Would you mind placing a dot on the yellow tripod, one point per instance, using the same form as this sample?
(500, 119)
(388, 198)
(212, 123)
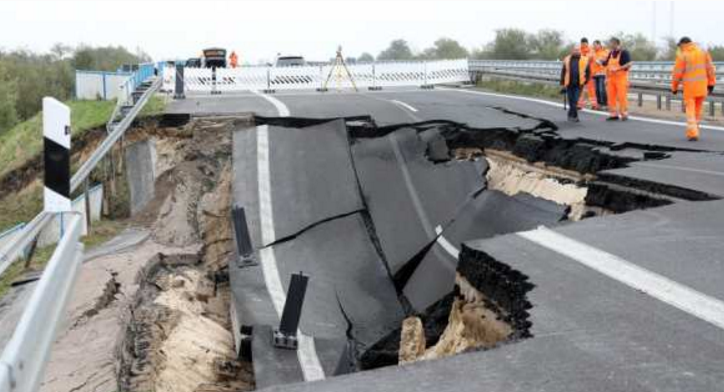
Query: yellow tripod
(337, 68)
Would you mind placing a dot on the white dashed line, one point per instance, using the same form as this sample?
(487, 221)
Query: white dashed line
(404, 105)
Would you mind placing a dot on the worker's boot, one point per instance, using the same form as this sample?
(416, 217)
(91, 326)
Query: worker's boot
(692, 135)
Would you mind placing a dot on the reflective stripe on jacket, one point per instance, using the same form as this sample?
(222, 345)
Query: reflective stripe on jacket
(694, 69)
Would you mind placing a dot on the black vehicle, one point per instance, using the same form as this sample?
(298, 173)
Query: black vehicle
(193, 62)
(214, 58)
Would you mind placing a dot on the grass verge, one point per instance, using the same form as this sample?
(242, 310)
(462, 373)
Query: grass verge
(538, 90)
(101, 231)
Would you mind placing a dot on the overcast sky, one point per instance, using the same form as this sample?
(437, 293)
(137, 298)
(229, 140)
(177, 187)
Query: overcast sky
(258, 30)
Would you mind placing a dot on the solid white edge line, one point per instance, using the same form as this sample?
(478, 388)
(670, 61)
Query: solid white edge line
(597, 113)
(672, 167)
(445, 244)
(282, 109)
(306, 352)
(698, 304)
(404, 105)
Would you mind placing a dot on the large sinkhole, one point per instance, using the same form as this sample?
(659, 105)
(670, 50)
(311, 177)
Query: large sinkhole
(378, 217)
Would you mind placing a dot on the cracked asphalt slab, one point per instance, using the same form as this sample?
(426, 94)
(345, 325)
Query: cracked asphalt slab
(592, 330)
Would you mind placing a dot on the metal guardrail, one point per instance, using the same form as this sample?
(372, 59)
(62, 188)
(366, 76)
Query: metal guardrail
(24, 358)
(642, 86)
(115, 133)
(652, 71)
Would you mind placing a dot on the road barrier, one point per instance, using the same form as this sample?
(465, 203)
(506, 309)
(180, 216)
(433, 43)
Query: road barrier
(311, 77)
(24, 358)
(648, 71)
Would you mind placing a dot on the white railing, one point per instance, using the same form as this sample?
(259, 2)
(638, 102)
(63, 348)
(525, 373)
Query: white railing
(385, 74)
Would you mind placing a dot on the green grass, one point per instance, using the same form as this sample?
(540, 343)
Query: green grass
(101, 232)
(25, 140)
(155, 106)
(538, 90)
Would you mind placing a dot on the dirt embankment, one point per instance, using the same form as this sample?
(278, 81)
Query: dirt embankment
(155, 316)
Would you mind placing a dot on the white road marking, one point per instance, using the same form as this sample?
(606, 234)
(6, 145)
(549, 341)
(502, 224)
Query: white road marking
(703, 306)
(279, 105)
(306, 352)
(416, 202)
(404, 105)
(594, 112)
(672, 167)
(445, 244)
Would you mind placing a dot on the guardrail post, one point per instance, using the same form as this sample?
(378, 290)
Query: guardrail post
(658, 101)
(641, 99)
(668, 102)
(86, 196)
(712, 108)
(179, 87)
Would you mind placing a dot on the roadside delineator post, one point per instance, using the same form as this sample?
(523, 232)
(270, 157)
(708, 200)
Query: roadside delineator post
(286, 336)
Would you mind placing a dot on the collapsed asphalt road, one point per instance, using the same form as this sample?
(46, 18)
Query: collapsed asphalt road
(375, 216)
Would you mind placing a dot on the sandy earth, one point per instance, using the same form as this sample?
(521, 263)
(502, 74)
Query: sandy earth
(471, 325)
(155, 315)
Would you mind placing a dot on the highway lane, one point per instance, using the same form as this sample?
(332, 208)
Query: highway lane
(593, 330)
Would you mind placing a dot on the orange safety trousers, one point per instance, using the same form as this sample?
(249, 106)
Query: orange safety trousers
(694, 106)
(591, 88)
(617, 90)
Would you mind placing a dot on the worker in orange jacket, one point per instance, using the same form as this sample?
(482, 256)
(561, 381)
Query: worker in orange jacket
(233, 59)
(617, 64)
(695, 70)
(598, 72)
(590, 87)
(575, 74)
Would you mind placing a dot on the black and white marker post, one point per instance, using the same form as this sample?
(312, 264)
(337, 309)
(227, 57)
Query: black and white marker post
(56, 154)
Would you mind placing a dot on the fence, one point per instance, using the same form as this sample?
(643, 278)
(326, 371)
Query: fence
(110, 85)
(370, 75)
(99, 84)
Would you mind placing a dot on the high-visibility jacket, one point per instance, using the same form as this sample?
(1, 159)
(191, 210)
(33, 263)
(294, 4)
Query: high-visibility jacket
(596, 68)
(233, 60)
(694, 69)
(583, 70)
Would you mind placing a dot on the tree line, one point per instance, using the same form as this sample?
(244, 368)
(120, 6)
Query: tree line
(26, 77)
(518, 44)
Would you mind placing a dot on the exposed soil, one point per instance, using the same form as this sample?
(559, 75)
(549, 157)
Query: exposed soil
(155, 316)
